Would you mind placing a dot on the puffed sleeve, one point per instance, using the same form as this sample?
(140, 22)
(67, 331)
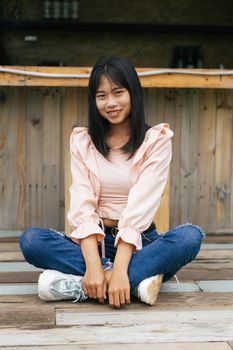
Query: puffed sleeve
(145, 195)
(82, 214)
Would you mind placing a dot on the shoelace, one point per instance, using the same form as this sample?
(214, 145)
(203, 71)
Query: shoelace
(103, 240)
(177, 281)
(69, 288)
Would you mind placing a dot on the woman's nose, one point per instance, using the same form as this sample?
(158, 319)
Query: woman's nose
(111, 102)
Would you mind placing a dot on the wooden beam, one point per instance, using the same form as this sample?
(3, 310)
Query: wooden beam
(152, 346)
(116, 27)
(162, 215)
(168, 80)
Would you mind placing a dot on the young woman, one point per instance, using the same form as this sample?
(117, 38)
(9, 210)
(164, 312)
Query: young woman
(119, 170)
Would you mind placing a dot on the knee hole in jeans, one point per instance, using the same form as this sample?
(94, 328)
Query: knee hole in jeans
(194, 236)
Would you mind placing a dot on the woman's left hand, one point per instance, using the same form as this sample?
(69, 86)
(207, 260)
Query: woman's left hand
(119, 289)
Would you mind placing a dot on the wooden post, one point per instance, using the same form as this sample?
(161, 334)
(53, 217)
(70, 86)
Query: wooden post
(162, 216)
(70, 113)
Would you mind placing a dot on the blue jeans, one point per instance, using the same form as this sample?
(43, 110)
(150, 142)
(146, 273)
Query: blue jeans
(161, 254)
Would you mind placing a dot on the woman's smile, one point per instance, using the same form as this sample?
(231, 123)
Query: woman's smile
(114, 113)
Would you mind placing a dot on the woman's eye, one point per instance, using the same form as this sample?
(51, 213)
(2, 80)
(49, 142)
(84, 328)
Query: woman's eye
(119, 92)
(100, 96)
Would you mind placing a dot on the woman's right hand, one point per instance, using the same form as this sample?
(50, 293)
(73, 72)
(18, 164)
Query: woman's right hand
(94, 283)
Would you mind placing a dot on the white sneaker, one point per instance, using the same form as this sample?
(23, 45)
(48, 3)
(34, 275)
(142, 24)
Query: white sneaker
(56, 285)
(148, 290)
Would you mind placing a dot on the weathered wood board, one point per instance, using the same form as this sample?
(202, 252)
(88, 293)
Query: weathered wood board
(159, 346)
(133, 327)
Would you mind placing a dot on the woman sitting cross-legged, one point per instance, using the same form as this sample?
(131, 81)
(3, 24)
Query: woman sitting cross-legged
(119, 169)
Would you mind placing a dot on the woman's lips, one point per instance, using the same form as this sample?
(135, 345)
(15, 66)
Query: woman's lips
(114, 113)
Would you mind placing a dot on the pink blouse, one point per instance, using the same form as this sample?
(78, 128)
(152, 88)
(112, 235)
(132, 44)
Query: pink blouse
(147, 174)
(114, 189)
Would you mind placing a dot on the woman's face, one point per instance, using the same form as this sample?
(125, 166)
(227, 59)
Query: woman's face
(113, 101)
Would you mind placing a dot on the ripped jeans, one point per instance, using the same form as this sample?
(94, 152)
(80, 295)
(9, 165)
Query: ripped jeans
(163, 254)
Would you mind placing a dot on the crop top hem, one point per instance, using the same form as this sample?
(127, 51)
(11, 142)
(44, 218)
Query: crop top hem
(105, 215)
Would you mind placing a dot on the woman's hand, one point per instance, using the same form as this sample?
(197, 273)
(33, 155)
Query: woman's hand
(119, 289)
(119, 286)
(94, 283)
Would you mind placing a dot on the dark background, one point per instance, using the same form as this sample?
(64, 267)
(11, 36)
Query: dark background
(145, 31)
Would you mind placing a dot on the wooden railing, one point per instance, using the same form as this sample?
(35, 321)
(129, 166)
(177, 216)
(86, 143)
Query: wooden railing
(167, 80)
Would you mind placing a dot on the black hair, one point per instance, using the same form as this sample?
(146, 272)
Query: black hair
(121, 71)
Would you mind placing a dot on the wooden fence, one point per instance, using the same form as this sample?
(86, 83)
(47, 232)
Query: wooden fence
(35, 125)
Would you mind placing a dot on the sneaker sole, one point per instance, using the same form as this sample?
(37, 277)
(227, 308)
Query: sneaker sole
(154, 288)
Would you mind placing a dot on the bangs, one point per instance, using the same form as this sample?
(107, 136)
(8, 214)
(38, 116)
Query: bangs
(112, 74)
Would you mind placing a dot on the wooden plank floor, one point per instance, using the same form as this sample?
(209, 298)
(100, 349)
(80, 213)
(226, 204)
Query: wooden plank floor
(196, 314)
